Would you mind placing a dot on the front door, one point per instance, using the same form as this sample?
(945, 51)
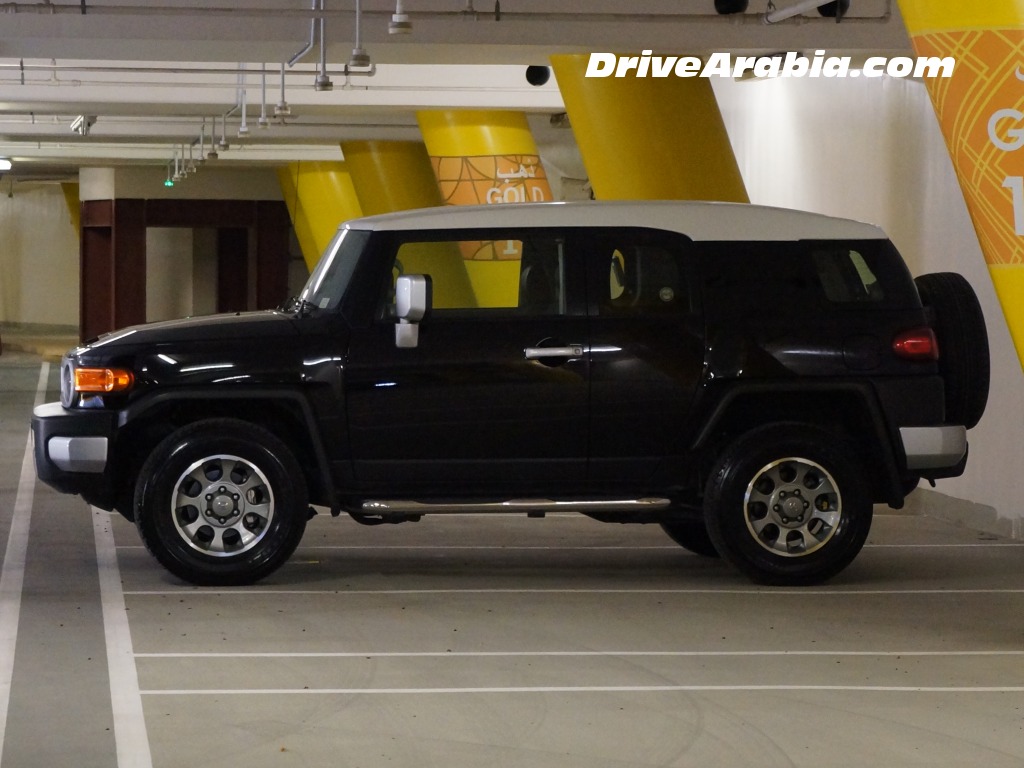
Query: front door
(494, 397)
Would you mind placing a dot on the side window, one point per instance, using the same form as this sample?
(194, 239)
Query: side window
(643, 278)
(513, 276)
(846, 277)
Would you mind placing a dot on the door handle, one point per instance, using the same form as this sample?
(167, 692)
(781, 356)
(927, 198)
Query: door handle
(570, 351)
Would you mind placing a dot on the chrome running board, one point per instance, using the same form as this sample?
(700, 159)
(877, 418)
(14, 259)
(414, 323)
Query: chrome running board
(526, 506)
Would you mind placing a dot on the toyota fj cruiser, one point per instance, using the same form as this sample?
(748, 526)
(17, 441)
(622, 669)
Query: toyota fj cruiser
(751, 379)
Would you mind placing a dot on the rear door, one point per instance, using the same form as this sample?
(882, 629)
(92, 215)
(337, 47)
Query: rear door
(494, 398)
(647, 355)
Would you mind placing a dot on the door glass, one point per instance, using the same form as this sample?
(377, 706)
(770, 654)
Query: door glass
(644, 279)
(519, 276)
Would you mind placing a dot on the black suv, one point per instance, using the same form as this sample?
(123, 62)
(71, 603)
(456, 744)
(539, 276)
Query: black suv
(751, 379)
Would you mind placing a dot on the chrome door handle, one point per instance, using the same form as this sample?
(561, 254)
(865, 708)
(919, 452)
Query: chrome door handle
(537, 353)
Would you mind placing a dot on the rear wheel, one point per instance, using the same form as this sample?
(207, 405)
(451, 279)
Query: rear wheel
(221, 502)
(786, 505)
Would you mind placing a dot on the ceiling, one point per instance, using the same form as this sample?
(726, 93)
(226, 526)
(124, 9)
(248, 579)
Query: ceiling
(152, 78)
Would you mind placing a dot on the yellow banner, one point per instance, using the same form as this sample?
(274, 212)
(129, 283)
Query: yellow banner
(925, 16)
(981, 111)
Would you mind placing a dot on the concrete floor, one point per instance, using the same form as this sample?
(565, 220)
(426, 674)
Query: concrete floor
(496, 641)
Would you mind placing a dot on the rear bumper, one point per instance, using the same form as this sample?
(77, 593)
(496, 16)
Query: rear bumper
(71, 449)
(931, 451)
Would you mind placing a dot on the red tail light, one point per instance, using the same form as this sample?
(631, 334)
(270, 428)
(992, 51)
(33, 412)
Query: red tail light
(917, 344)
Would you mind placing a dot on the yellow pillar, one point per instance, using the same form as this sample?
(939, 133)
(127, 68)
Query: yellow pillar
(649, 138)
(981, 110)
(70, 190)
(486, 157)
(391, 175)
(319, 196)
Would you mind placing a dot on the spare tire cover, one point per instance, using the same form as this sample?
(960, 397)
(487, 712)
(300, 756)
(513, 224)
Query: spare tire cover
(963, 344)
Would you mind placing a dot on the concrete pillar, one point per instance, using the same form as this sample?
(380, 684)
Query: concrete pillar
(391, 175)
(649, 138)
(319, 196)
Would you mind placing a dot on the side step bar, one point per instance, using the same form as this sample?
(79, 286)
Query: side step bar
(404, 507)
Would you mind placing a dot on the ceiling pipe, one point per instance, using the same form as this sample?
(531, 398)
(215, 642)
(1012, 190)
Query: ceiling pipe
(243, 126)
(309, 46)
(359, 59)
(323, 81)
(282, 110)
(538, 16)
(263, 122)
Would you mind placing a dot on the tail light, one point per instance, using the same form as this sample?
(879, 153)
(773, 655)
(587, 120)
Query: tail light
(916, 344)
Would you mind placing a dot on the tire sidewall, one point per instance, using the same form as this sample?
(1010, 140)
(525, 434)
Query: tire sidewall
(742, 462)
(165, 466)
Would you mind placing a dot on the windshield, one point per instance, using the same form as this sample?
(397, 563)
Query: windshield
(330, 279)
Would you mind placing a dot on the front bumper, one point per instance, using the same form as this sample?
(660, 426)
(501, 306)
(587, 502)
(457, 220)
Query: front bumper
(71, 451)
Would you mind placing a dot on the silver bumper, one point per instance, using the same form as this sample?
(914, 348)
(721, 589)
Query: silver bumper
(933, 447)
(78, 454)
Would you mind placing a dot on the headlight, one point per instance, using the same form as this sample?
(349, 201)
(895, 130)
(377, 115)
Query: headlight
(74, 381)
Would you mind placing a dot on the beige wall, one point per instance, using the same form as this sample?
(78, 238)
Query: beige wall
(872, 150)
(38, 256)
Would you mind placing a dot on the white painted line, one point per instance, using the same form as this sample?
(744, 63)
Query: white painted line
(764, 592)
(572, 654)
(487, 547)
(12, 575)
(583, 689)
(129, 721)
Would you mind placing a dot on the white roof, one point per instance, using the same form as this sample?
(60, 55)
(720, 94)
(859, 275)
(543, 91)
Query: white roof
(697, 220)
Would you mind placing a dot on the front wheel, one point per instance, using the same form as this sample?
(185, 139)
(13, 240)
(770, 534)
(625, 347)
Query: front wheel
(786, 504)
(221, 502)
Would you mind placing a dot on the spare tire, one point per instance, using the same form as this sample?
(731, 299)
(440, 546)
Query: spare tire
(960, 328)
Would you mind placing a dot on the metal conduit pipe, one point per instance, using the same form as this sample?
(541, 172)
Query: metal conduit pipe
(466, 12)
(312, 41)
(781, 14)
(323, 82)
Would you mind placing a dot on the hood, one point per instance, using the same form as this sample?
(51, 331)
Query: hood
(236, 325)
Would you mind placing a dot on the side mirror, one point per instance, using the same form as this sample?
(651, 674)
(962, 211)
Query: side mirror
(412, 302)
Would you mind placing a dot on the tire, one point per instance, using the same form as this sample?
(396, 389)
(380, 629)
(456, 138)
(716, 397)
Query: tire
(959, 326)
(786, 505)
(691, 535)
(221, 502)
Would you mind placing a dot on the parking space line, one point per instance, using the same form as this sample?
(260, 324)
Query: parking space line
(571, 654)
(776, 592)
(130, 734)
(583, 689)
(12, 575)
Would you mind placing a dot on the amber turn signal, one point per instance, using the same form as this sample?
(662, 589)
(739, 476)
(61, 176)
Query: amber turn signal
(102, 379)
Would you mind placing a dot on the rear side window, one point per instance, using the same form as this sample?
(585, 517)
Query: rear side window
(845, 276)
(792, 277)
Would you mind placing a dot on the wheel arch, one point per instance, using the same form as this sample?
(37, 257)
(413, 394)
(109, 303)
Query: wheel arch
(850, 409)
(285, 413)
